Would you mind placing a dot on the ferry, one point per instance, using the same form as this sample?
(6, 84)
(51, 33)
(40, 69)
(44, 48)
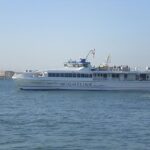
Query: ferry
(81, 75)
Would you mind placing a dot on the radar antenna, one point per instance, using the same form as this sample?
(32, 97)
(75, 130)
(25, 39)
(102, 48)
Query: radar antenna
(92, 51)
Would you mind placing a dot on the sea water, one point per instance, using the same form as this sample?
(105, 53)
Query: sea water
(73, 120)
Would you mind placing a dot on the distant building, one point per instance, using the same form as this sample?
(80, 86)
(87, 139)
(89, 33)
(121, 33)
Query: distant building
(2, 74)
(6, 74)
(9, 74)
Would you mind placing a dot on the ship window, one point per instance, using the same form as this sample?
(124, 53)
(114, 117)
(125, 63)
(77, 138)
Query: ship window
(69, 74)
(49, 75)
(82, 75)
(62, 74)
(74, 75)
(66, 74)
(125, 76)
(57, 74)
(142, 76)
(78, 75)
(86, 75)
(105, 75)
(85, 65)
(98, 74)
(115, 75)
(52, 75)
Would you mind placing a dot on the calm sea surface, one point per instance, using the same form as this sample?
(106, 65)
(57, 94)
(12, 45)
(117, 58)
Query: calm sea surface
(73, 120)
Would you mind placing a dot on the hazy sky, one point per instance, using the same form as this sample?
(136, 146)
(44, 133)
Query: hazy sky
(42, 34)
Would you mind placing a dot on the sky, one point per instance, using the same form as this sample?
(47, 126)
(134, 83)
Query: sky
(43, 34)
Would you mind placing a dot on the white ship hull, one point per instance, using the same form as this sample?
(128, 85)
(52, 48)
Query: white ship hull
(45, 84)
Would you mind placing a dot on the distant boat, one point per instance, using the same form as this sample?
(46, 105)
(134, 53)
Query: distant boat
(80, 75)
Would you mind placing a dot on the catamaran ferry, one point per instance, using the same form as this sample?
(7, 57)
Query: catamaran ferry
(80, 75)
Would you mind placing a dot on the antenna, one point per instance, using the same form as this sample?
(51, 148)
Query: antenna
(92, 51)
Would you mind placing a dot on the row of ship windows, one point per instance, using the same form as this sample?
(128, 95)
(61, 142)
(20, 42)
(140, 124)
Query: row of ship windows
(95, 75)
(83, 75)
(114, 75)
(70, 75)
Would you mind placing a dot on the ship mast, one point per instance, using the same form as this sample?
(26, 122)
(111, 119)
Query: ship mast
(108, 60)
